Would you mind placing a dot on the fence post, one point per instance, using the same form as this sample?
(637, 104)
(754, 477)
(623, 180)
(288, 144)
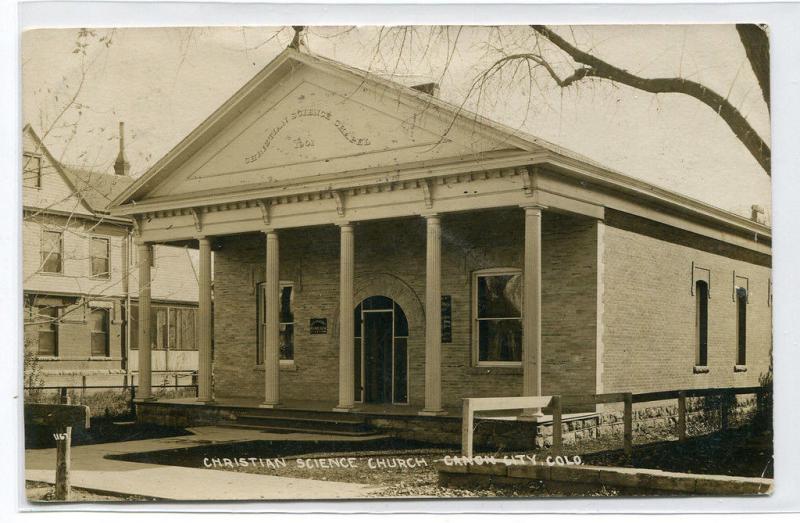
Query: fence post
(63, 488)
(628, 424)
(466, 429)
(176, 382)
(133, 397)
(555, 404)
(682, 415)
(63, 398)
(723, 415)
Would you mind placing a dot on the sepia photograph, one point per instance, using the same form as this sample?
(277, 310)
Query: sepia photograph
(396, 262)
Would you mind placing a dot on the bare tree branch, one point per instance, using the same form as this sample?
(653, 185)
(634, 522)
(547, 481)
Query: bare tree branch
(598, 68)
(756, 44)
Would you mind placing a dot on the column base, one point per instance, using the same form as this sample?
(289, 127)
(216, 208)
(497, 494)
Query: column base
(425, 412)
(344, 409)
(269, 406)
(205, 401)
(533, 415)
(148, 398)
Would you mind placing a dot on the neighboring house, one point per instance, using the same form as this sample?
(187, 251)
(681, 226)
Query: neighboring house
(379, 249)
(79, 294)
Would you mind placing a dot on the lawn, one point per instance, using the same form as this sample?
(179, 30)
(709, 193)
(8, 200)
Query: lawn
(736, 452)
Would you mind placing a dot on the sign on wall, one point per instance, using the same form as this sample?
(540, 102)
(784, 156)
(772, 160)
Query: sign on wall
(447, 318)
(318, 326)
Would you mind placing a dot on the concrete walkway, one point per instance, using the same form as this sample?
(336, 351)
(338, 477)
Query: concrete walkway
(92, 470)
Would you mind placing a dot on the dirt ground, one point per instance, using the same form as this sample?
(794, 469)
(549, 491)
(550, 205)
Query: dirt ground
(383, 469)
(43, 493)
(405, 469)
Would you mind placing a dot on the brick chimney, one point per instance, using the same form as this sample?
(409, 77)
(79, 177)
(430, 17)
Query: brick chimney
(122, 167)
(757, 214)
(299, 41)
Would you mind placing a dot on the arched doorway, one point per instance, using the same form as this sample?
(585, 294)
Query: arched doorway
(381, 351)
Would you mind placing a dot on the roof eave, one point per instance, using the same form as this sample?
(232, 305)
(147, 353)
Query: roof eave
(623, 183)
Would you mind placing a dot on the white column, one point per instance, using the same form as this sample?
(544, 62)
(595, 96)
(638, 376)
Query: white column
(532, 308)
(433, 317)
(346, 355)
(204, 371)
(145, 362)
(272, 290)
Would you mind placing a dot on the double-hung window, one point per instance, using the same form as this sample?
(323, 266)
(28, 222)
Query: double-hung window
(741, 326)
(47, 319)
(52, 251)
(701, 295)
(497, 316)
(100, 268)
(32, 170)
(286, 319)
(99, 321)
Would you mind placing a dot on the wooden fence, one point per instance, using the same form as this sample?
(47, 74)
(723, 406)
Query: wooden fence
(557, 404)
(129, 390)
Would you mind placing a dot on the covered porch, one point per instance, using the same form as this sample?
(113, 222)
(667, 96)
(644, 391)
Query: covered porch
(295, 328)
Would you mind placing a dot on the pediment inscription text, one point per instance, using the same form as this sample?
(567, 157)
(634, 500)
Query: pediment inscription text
(319, 114)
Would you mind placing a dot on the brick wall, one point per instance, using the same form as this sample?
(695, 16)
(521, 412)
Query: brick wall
(390, 256)
(649, 310)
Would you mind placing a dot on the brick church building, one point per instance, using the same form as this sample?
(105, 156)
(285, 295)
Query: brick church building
(377, 249)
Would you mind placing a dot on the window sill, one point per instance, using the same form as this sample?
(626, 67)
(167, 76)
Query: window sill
(285, 365)
(740, 368)
(700, 369)
(486, 370)
(47, 358)
(102, 358)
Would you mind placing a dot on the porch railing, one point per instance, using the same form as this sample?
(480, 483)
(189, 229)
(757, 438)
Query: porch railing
(557, 403)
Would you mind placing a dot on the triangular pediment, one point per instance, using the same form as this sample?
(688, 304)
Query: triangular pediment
(313, 120)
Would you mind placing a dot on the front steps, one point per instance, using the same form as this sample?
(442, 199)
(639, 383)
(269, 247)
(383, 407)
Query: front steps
(305, 422)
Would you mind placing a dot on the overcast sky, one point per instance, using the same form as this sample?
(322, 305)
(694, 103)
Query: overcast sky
(163, 82)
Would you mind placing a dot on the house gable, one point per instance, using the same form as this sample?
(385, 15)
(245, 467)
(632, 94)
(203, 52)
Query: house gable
(313, 120)
(55, 192)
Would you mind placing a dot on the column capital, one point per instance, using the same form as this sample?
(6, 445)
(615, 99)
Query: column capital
(535, 208)
(202, 237)
(344, 223)
(431, 215)
(269, 230)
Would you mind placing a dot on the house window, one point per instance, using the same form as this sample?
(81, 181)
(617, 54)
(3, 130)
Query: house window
(497, 316)
(100, 324)
(133, 325)
(32, 170)
(286, 319)
(52, 251)
(172, 327)
(47, 320)
(100, 267)
(741, 326)
(701, 295)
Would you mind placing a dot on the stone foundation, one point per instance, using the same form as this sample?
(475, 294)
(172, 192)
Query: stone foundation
(657, 420)
(650, 421)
